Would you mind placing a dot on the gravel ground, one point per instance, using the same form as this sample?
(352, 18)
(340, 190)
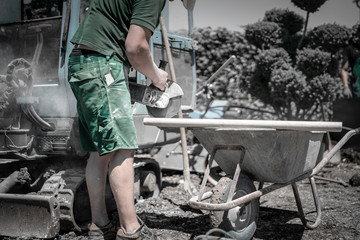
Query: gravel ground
(170, 216)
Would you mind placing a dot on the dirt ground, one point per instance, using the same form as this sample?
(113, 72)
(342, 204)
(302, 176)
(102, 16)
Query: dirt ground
(170, 216)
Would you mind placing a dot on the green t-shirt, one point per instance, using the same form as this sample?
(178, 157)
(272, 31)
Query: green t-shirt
(107, 23)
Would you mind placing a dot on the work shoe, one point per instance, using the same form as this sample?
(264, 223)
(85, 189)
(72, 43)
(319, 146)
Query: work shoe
(142, 233)
(108, 232)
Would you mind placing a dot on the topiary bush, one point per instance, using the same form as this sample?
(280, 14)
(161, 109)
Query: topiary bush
(309, 5)
(293, 92)
(289, 21)
(322, 89)
(293, 84)
(312, 62)
(355, 35)
(287, 91)
(263, 35)
(329, 37)
(272, 59)
(213, 48)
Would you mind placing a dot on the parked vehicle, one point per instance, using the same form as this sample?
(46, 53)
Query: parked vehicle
(43, 190)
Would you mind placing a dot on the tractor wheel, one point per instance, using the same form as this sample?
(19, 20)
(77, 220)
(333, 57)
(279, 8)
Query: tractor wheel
(239, 218)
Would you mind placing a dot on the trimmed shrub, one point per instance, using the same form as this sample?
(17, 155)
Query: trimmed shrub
(309, 5)
(263, 35)
(312, 62)
(329, 37)
(289, 21)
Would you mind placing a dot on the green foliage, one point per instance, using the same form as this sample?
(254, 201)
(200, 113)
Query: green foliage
(322, 89)
(214, 47)
(263, 34)
(294, 83)
(276, 82)
(312, 62)
(293, 91)
(289, 21)
(329, 37)
(355, 35)
(286, 86)
(268, 60)
(309, 5)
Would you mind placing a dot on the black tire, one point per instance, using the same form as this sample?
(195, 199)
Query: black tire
(231, 220)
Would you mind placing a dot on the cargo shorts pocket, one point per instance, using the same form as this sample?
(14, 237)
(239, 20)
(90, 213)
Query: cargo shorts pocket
(87, 87)
(107, 134)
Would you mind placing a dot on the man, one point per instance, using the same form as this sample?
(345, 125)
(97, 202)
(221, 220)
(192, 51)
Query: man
(351, 58)
(113, 36)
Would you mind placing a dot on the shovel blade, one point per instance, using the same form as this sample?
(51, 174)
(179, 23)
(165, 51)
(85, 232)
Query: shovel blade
(29, 216)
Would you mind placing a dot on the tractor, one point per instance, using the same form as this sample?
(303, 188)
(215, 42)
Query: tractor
(42, 177)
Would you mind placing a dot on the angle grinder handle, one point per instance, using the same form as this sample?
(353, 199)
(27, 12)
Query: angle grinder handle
(162, 65)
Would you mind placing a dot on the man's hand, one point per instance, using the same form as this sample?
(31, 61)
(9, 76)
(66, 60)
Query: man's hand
(347, 92)
(161, 79)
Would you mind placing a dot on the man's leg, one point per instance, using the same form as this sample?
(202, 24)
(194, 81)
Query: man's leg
(121, 176)
(96, 173)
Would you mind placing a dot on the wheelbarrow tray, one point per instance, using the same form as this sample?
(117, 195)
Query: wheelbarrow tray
(276, 156)
(275, 151)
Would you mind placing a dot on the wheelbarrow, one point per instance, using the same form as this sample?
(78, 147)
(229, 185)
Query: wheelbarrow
(280, 153)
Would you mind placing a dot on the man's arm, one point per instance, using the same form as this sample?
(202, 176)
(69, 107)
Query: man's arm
(139, 55)
(344, 77)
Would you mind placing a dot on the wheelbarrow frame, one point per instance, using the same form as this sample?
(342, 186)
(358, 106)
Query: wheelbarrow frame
(197, 202)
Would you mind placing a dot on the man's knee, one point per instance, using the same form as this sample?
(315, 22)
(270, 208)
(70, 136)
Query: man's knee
(121, 155)
(129, 153)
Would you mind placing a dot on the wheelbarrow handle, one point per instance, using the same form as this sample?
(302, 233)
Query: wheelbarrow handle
(334, 150)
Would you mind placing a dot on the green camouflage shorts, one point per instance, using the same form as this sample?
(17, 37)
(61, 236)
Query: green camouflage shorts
(101, 88)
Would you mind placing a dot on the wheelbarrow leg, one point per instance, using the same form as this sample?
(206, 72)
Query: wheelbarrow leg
(208, 167)
(316, 202)
(206, 176)
(236, 175)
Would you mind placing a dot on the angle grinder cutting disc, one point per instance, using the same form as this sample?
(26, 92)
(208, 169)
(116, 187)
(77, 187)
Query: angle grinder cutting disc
(165, 103)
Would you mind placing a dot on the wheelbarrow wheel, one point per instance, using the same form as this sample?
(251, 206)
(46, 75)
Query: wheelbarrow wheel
(239, 218)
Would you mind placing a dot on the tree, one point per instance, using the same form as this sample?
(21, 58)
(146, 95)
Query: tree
(269, 70)
(263, 34)
(310, 6)
(296, 83)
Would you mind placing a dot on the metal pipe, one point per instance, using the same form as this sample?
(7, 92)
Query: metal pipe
(230, 60)
(211, 79)
(226, 206)
(316, 202)
(241, 124)
(332, 152)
